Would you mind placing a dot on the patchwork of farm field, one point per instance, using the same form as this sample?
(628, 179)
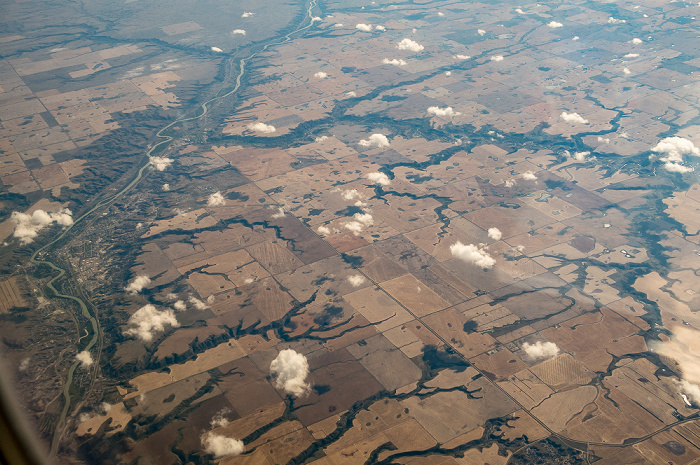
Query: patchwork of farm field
(372, 232)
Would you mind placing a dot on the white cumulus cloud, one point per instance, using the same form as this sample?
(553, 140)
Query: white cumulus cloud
(238, 32)
(323, 230)
(261, 127)
(554, 24)
(447, 111)
(394, 61)
(540, 350)
(529, 176)
(148, 320)
(495, 234)
(636, 41)
(290, 370)
(580, 156)
(632, 55)
(180, 306)
(375, 140)
(321, 75)
(462, 57)
(198, 304)
(473, 254)
(213, 49)
(672, 150)
(359, 223)
(138, 284)
(363, 27)
(27, 226)
(380, 28)
(166, 187)
(356, 280)
(247, 14)
(216, 200)
(84, 358)
(612, 20)
(481, 32)
(497, 58)
(160, 163)
(410, 45)
(221, 446)
(574, 118)
(379, 178)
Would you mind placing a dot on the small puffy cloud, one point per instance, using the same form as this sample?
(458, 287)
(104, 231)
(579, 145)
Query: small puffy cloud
(351, 93)
(691, 391)
(580, 156)
(575, 38)
(462, 57)
(198, 304)
(338, 25)
(316, 18)
(351, 194)
(360, 222)
(496, 58)
(448, 73)
(380, 28)
(321, 139)
(440, 13)
(166, 187)
(636, 41)
(148, 320)
(410, 45)
(27, 226)
(554, 24)
(612, 20)
(356, 280)
(520, 11)
(180, 306)
(529, 176)
(363, 27)
(84, 358)
(510, 183)
(481, 32)
(290, 370)
(672, 167)
(573, 118)
(473, 254)
(604, 140)
(323, 230)
(219, 420)
(216, 200)
(279, 214)
(675, 147)
(238, 32)
(375, 140)
(632, 55)
(495, 234)
(24, 364)
(447, 111)
(394, 61)
(379, 178)
(247, 14)
(217, 50)
(321, 75)
(221, 446)
(261, 127)
(160, 163)
(672, 150)
(626, 70)
(137, 285)
(540, 350)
